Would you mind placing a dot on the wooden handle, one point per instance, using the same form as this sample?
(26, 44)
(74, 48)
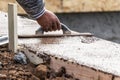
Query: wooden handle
(55, 36)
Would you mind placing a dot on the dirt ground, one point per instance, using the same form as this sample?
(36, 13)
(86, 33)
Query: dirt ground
(13, 71)
(10, 70)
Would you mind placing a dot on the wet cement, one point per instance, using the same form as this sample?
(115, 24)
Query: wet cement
(97, 53)
(90, 51)
(25, 25)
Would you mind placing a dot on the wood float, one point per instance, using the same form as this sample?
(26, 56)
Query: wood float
(55, 35)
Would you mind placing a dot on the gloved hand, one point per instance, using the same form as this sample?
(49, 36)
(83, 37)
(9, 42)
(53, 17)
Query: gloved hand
(49, 21)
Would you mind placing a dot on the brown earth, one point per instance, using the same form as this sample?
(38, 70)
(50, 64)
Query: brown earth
(9, 70)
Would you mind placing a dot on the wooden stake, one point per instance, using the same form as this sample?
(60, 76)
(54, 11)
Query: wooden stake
(12, 26)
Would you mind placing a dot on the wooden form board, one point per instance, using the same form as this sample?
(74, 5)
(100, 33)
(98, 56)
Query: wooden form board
(77, 71)
(12, 26)
(61, 6)
(117, 78)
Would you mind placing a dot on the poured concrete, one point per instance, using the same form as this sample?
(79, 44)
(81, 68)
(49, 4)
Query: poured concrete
(90, 51)
(25, 25)
(97, 53)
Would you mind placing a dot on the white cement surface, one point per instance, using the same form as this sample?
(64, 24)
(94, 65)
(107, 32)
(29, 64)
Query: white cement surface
(25, 25)
(101, 54)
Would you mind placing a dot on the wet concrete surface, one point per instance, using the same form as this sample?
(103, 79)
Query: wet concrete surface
(91, 51)
(25, 25)
(97, 53)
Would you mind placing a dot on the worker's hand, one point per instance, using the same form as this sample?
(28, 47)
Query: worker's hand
(49, 21)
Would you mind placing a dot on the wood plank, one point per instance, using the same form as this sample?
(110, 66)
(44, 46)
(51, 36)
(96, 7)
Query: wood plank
(75, 70)
(33, 58)
(12, 26)
(78, 71)
(104, 76)
(117, 78)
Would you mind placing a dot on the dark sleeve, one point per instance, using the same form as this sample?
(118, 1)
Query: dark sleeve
(34, 8)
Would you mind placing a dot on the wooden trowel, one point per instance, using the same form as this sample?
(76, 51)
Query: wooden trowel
(65, 31)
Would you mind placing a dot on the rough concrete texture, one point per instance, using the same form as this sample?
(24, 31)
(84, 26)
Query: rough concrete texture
(90, 51)
(105, 53)
(25, 25)
(103, 25)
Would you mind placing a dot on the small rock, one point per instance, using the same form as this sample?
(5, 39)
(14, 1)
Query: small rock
(1, 65)
(41, 71)
(13, 78)
(21, 72)
(20, 69)
(12, 72)
(3, 76)
(12, 67)
(17, 74)
(61, 72)
(27, 74)
(4, 63)
(20, 58)
(59, 78)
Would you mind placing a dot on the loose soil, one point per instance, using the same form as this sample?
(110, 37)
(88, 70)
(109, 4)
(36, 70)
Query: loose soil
(10, 70)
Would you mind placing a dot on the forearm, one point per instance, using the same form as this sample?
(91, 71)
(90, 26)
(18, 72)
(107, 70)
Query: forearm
(35, 8)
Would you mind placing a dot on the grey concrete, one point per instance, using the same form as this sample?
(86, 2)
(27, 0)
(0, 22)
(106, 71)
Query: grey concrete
(93, 52)
(104, 25)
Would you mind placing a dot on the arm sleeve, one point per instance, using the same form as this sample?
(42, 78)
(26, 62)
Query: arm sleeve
(34, 8)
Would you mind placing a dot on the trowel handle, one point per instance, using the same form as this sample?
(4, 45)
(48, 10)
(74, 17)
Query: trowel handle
(64, 28)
